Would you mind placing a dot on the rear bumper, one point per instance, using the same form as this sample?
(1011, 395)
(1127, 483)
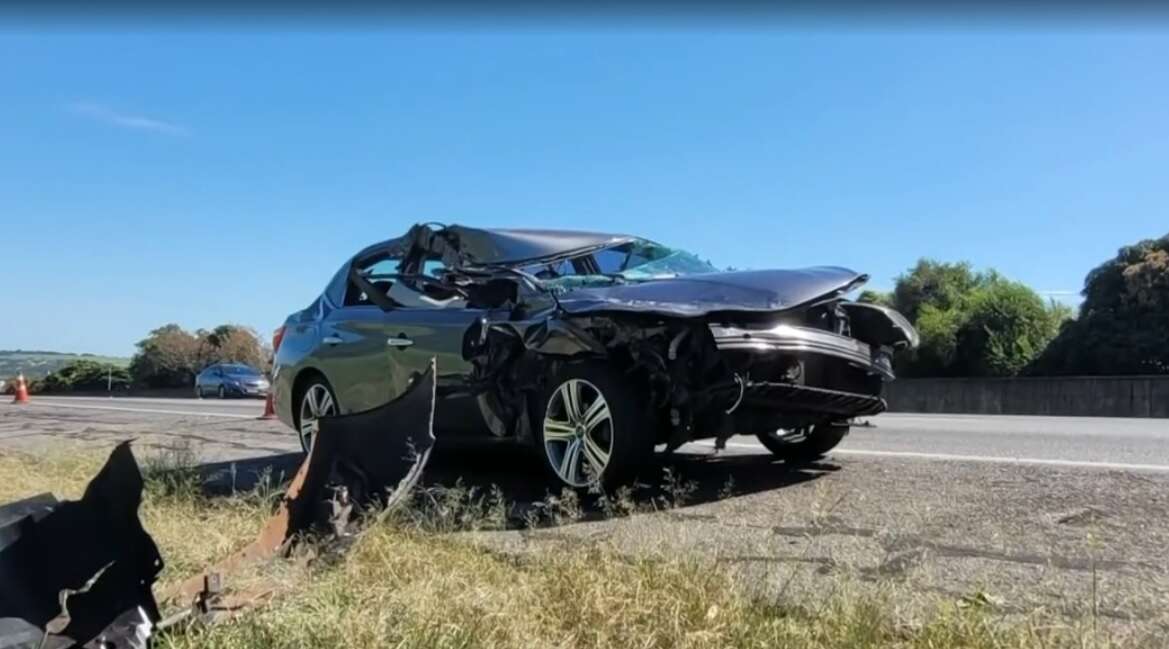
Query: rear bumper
(805, 340)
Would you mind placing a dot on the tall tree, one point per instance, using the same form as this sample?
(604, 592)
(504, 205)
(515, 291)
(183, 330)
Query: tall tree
(1123, 321)
(943, 285)
(168, 357)
(231, 343)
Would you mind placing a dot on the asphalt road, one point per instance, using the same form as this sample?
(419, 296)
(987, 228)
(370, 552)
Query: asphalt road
(1063, 515)
(1077, 442)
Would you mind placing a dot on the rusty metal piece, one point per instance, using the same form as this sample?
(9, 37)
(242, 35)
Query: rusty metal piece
(366, 459)
(77, 572)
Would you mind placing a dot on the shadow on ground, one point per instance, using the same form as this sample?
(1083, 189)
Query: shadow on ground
(682, 479)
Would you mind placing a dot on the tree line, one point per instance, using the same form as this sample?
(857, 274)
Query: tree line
(169, 357)
(982, 324)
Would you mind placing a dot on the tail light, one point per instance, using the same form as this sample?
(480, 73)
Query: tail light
(277, 336)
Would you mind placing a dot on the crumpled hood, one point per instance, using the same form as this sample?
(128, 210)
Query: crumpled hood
(700, 295)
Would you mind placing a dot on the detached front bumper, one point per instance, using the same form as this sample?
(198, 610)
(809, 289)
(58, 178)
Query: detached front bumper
(792, 339)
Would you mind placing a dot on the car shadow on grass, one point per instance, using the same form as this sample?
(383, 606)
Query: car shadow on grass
(670, 481)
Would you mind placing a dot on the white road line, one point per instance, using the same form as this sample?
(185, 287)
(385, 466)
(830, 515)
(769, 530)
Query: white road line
(991, 459)
(152, 410)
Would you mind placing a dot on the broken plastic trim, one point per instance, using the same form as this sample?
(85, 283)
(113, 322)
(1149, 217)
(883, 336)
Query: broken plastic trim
(360, 461)
(78, 571)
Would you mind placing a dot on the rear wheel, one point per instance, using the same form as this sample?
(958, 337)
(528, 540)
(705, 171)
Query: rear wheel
(316, 401)
(591, 428)
(802, 445)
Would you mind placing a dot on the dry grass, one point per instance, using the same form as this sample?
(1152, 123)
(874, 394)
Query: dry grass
(405, 588)
(413, 581)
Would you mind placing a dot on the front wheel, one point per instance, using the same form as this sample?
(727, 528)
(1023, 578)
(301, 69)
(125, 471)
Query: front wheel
(590, 427)
(803, 445)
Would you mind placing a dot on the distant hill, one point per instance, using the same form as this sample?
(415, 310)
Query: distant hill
(36, 364)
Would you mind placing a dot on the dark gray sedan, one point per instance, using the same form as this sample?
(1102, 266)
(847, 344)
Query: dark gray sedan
(589, 348)
(231, 380)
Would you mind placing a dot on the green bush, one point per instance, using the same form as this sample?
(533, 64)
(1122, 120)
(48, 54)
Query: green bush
(83, 375)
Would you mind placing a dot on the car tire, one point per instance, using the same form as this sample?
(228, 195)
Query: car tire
(804, 445)
(582, 441)
(314, 400)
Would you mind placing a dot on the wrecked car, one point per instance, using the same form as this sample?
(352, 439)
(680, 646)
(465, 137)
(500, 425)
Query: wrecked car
(590, 348)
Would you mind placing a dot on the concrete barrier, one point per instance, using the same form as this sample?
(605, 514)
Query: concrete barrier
(1073, 396)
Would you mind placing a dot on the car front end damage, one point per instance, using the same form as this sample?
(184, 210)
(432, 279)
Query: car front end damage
(702, 380)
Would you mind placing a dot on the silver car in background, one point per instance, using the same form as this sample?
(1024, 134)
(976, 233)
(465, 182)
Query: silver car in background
(231, 380)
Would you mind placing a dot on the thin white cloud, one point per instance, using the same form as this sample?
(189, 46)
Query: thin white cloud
(103, 113)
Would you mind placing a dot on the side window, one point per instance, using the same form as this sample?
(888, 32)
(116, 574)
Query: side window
(381, 274)
(420, 290)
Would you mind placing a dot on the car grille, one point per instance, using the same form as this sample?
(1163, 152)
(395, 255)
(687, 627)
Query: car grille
(796, 399)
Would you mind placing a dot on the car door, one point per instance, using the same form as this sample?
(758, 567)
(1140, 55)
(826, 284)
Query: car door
(215, 378)
(413, 336)
(370, 353)
(351, 347)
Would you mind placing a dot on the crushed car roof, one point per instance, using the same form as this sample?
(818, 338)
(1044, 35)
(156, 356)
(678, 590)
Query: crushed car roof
(494, 246)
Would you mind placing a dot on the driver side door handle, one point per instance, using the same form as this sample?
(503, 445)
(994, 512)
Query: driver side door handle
(400, 341)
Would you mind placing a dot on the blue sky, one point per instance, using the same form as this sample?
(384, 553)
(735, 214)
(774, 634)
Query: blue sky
(201, 177)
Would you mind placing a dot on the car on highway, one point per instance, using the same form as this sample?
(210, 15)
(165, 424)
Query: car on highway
(231, 380)
(591, 349)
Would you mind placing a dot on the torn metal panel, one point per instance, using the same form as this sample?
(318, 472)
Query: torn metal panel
(69, 571)
(368, 454)
(354, 463)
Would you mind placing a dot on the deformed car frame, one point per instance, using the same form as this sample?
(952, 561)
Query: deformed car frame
(591, 347)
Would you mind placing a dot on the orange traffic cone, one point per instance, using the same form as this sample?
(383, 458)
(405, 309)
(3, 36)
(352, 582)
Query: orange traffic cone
(269, 410)
(21, 390)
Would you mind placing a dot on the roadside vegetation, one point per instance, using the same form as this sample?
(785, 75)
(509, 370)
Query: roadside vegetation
(416, 580)
(979, 323)
(169, 357)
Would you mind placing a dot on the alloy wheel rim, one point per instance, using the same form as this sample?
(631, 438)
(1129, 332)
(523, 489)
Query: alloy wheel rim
(316, 403)
(791, 435)
(578, 433)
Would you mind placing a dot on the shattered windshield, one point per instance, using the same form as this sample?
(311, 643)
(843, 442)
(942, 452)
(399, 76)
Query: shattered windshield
(636, 260)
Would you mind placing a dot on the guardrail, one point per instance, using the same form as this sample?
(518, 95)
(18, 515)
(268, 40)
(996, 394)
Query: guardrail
(1073, 396)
